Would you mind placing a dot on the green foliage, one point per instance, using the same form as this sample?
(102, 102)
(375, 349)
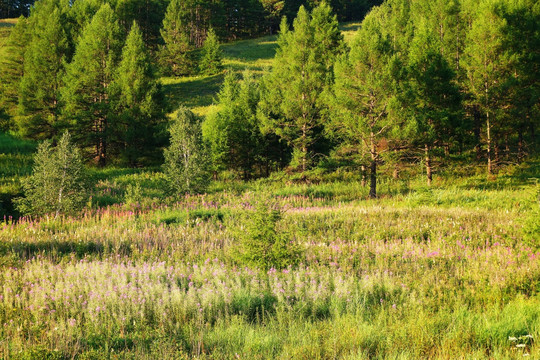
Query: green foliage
(11, 72)
(262, 244)
(137, 100)
(291, 97)
(58, 181)
(232, 131)
(364, 93)
(176, 56)
(48, 51)
(87, 88)
(186, 159)
(211, 62)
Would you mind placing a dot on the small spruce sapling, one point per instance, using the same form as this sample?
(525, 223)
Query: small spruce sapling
(262, 245)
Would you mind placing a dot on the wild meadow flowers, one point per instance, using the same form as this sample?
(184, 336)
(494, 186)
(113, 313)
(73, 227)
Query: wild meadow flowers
(376, 279)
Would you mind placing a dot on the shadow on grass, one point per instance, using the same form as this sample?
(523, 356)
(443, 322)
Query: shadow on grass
(191, 91)
(25, 250)
(251, 50)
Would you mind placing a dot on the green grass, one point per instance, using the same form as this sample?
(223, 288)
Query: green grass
(5, 28)
(255, 55)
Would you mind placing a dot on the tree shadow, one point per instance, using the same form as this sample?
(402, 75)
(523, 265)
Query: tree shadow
(191, 92)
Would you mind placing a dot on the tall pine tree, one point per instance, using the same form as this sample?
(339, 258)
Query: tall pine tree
(137, 97)
(44, 66)
(176, 55)
(291, 101)
(87, 84)
(364, 92)
(12, 71)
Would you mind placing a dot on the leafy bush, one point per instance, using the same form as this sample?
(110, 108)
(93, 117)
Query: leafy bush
(58, 181)
(261, 245)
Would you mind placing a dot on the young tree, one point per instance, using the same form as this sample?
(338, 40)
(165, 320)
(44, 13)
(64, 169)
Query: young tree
(177, 54)
(44, 66)
(58, 181)
(86, 93)
(211, 61)
(186, 159)
(363, 93)
(137, 96)
(291, 101)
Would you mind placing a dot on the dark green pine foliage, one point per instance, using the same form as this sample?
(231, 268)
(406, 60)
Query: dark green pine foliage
(58, 184)
(232, 132)
(364, 91)
(137, 98)
(291, 103)
(522, 36)
(435, 100)
(211, 60)
(12, 71)
(186, 160)
(47, 53)
(176, 55)
(86, 94)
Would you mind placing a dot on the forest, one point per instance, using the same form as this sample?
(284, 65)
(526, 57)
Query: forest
(264, 179)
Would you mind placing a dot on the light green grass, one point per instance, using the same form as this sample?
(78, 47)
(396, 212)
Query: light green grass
(256, 55)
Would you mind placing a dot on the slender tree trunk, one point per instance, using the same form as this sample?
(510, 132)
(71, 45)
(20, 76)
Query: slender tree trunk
(477, 132)
(373, 168)
(428, 165)
(395, 173)
(304, 148)
(488, 133)
(520, 145)
(364, 182)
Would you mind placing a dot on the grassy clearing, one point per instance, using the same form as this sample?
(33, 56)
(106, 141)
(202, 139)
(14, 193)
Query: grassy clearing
(387, 278)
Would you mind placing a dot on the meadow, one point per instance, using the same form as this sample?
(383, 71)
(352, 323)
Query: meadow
(450, 271)
(445, 272)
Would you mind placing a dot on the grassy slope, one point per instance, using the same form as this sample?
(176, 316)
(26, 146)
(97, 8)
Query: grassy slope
(198, 92)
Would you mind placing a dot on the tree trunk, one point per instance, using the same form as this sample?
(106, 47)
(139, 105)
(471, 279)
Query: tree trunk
(520, 145)
(488, 140)
(395, 174)
(364, 182)
(477, 131)
(373, 168)
(428, 165)
(304, 148)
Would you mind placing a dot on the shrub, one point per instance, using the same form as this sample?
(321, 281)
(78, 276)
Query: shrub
(58, 181)
(261, 245)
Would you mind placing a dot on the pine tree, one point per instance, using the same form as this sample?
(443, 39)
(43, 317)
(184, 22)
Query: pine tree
(488, 66)
(87, 90)
(176, 56)
(211, 61)
(58, 181)
(137, 99)
(12, 71)
(364, 92)
(44, 66)
(186, 159)
(291, 101)
(435, 99)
